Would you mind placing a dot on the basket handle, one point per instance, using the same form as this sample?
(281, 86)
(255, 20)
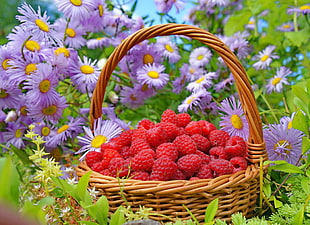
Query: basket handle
(256, 146)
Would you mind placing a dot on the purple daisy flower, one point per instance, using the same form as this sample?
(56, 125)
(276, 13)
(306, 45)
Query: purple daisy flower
(265, 57)
(200, 56)
(145, 90)
(286, 27)
(67, 131)
(104, 131)
(232, 118)
(164, 6)
(14, 134)
(169, 49)
(76, 9)
(41, 85)
(224, 84)
(51, 112)
(9, 95)
(251, 24)
(70, 32)
(85, 74)
(130, 98)
(304, 9)
(200, 84)
(98, 42)
(45, 130)
(192, 101)
(153, 75)
(191, 72)
(37, 24)
(283, 143)
(6, 55)
(288, 120)
(276, 83)
(179, 83)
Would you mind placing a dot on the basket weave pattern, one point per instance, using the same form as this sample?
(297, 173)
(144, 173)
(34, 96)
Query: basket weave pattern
(237, 192)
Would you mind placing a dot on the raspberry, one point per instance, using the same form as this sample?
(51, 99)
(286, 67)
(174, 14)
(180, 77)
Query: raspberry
(239, 163)
(146, 124)
(189, 164)
(181, 131)
(204, 157)
(218, 137)
(170, 129)
(125, 138)
(137, 145)
(193, 128)
(98, 166)
(205, 172)
(140, 175)
(203, 144)
(236, 146)
(163, 169)
(93, 157)
(143, 161)
(110, 153)
(118, 167)
(106, 172)
(112, 144)
(156, 136)
(206, 127)
(221, 167)
(194, 178)
(139, 134)
(185, 145)
(169, 116)
(168, 150)
(125, 153)
(183, 119)
(178, 175)
(218, 153)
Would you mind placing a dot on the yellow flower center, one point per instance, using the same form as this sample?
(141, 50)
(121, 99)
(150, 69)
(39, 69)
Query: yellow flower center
(147, 58)
(70, 32)
(42, 25)
(200, 57)
(30, 68)
(45, 131)
(18, 133)
(23, 110)
(251, 22)
(64, 51)
(200, 80)
(236, 121)
(50, 110)
(32, 45)
(264, 58)
(169, 48)
(87, 69)
(192, 70)
(5, 64)
(76, 2)
(275, 81)
(305, 7)
(145, 87)
(290, 125)
(286, 26)
(63, 128)
(98, 141)
(153, 74)
(285, 144)
(189, 101)
(101, 10)
(45, 86)
(3, 93)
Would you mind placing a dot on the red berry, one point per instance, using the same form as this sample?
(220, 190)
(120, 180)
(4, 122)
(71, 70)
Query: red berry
(163, 169)
(106, 172)
(139, 134)
(168, 150)
(181, 131)
(143, 161)
(140, 175)
(218, 137)
(183, 119)
(185, 145)
(221, 167)
(110, 153)
(113, 144)
(137, 145)
(169, 116)
(239, 163)
(93, 157)
(170, 129)
(178, 175)
(118, 167)
(125, 138)
(194, 178)
(205, 172)
(189, 164)
(218, 152)
(204, 157)
(125, 153)
(156, 136)
(98, 167)
(203, 144)
(206, 127)
(193, 128)
(236, 146)
(146, 124)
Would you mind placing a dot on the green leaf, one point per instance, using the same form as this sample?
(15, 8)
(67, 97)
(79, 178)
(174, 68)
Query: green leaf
(22, 155)
(33, 211)
(48, 200)
(65, 186)
(299, 217)
(298, 38)
(81, 193)
(305, 184)
(87, 223)
(305, 147)
(301, 93)
(237, 22)
(118, 218)
(211, 211)
(267, 189)
(102, 210)
(277, 203)
(300, 122)
(285, 167)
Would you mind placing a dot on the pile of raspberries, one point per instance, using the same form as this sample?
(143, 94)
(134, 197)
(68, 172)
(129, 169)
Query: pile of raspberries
(176, 148)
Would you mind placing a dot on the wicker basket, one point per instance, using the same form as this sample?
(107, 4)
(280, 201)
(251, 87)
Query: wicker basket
(236, 193)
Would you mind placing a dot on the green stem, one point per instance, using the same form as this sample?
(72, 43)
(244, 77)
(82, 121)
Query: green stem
(270, 108)
(295, 17)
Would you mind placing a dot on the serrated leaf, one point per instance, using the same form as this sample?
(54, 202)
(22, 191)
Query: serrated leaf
(211, 211)
(300, 122)
(118, 218)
